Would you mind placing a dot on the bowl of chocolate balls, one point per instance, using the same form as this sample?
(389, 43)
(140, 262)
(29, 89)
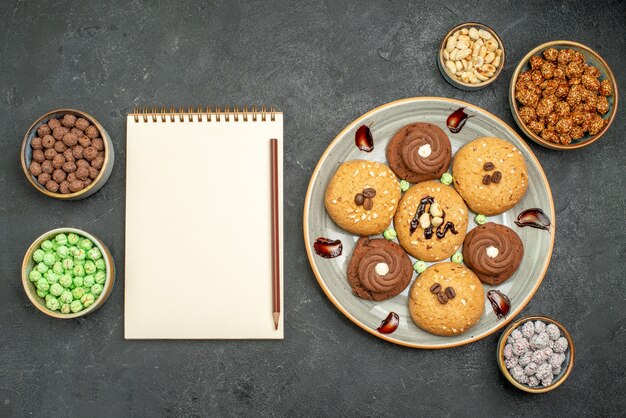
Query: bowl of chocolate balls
(66, 154)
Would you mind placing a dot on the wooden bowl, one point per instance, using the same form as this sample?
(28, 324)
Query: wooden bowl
(96, 184)
(566, 367)
(591, 58)
(450, 78)
(29, 287)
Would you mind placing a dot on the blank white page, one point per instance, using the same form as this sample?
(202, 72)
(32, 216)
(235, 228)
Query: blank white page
(198, 228)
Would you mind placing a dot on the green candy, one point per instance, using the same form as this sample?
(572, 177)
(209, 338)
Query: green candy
(85, 244)
(52, 277)
(88, 281)
(65, 308)
(61, 239)
(65, 280)
(94, 254)
(78, 281)
(42, 284)
(63, 251)
(55, 245)
(404, 185)
(80, 254)
(66, 297)
(90, 267)
(72, 238)
(34, 275)
(58, 268)
(480, 219)
(87, 300)
(68, 264)
(79, 271)
(53, 304)
(78, 262)
(56, 289)
(446, 178)
(42, 293)
(78, 293)
(96, 289)
(100, 264)
(49, 260)
(41, 268)
(419, 266)
(100, 277)
(73, 250)
(47, 246)
(76, 306)
(457, 258)
(390, 234)
(38, 255)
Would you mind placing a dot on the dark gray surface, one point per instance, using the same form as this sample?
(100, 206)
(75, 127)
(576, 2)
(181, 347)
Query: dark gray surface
(324, 64)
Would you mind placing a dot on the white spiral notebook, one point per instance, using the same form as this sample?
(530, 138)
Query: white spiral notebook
(198, 224)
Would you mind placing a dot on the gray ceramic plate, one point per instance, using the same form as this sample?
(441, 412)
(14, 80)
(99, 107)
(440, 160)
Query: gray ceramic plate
(384, 121)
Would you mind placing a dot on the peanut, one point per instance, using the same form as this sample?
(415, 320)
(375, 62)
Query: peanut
(472, 55)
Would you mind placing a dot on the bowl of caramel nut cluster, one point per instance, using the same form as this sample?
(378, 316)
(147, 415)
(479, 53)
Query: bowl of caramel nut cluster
(66, 154)
(563, 95)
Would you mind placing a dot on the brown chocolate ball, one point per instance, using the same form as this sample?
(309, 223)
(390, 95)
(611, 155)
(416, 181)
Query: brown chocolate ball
(98, 162)
(68, 121)
(93, 173)
(64, 187)
(48, 141)
(58, 175)
(50, 153)
(44, 130)
(35, 143)
(82, 173)
(38, 156)
(46, 167)
(69, 167)
(98, 144)
(77, 151)
(54, 123)
(84, 141)
(77, 132)
(82, 124)
(71, 177)
(43, 178)
(59, 132)
(70, 139)
(92, 132)
(59, 146)
(90, 153)
(58, 161)
(52, 186)
(83, 163)
(76, 186)
(67, 154)
(35, 168)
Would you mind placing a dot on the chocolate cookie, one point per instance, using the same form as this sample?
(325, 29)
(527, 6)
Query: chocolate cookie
(446, 299)
(431, 221)
(493, 252)
(419, 152)
(490, 174)
(379, 269)
(362, 197)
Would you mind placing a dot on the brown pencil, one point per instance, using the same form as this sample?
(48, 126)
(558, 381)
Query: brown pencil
(275, 234)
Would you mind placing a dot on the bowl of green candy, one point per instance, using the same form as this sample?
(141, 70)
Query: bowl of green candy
(68, 273)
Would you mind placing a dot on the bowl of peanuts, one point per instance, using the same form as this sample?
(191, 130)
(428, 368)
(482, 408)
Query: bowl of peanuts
(66, 154)
(563, 95)
(471, 56)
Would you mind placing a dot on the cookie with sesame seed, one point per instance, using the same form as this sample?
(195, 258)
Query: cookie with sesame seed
(431, 221)
(446, 299)
(362, 197)
(490, 174)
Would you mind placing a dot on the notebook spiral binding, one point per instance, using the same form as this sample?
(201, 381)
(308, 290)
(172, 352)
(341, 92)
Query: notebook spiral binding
(201, 114)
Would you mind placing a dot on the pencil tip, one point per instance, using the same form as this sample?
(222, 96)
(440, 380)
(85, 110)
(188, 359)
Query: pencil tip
(276, 318)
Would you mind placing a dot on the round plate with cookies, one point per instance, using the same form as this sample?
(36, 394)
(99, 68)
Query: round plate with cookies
(429, 222)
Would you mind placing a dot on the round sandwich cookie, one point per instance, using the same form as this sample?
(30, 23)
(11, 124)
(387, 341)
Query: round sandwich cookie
(431, 221)
(493, 252)
(419, 152)
(362, 197)
(490, 174)
(446, 299)
(379, 269)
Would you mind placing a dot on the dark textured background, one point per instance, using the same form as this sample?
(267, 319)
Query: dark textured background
(323, 64)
